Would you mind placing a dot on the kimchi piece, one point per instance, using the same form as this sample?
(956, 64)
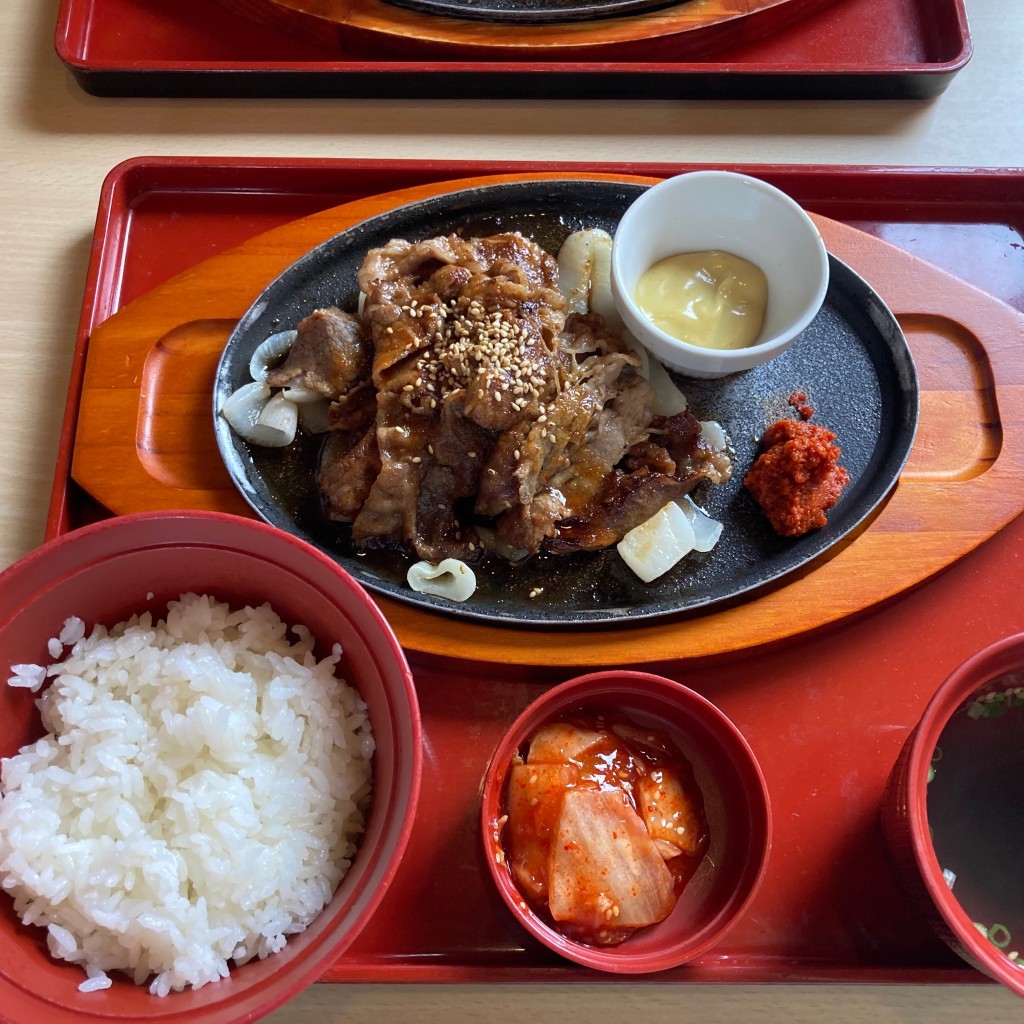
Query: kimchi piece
(605, 826)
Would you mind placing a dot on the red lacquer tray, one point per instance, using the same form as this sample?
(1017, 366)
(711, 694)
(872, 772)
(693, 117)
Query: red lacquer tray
(826, 714)
(859, 49)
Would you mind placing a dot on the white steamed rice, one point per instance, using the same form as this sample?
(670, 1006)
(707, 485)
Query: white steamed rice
(198, 797)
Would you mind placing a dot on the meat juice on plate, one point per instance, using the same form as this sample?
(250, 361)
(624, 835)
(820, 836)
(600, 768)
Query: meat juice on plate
(604, 826)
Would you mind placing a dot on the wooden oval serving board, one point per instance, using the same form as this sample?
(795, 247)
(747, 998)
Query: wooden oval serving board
(145, 440)
(692, 28)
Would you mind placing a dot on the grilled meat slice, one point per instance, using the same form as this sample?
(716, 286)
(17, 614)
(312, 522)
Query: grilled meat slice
(660, 469)
(330, 353)
(347, 473)
(481, 315)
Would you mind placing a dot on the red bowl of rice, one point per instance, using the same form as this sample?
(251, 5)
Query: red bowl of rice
(579, 855)
(301, 773)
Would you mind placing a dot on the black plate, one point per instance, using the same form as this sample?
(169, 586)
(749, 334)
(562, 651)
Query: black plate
(533, 12)
(852, 361)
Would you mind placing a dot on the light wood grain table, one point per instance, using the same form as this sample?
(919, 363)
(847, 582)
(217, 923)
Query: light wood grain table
(57, 144)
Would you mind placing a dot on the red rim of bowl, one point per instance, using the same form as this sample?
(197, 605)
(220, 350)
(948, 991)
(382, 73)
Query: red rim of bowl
(967, 679)
(604, 688)
(371, 889)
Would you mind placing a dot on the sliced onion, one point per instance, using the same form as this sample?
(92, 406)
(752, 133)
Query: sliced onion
(670, 400)
(450, 578)
(706, 530)
(270, 353)
(601, 299)
(277, 424)
(361, 303)
(314, 416)
(714, 435)
(585, 275)
(574, 266)
(300, 395)
(653, 547)
(243, 407)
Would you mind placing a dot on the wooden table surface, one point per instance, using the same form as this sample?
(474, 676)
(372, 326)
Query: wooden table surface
(57, 144)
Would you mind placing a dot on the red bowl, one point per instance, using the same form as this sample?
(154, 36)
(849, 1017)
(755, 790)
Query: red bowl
(735, 803)
(104, 573)
(969, 819)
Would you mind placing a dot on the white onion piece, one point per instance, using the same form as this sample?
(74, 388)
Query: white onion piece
(574, 270)
(270, 352)
(277, 424)
(669, 399)
(300, 395)
(601, 299)
(360, 303)
(243, 407)
(653, 547)
(313, 416)
(706, 530)
(714, 435)
(450, 578)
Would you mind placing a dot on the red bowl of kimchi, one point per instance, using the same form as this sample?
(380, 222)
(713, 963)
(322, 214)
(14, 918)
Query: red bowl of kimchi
(625, 822)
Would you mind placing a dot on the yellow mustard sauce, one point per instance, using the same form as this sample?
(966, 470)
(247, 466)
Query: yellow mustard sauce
(712, 299)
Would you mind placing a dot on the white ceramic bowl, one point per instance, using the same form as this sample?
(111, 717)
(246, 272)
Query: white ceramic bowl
(705, 210)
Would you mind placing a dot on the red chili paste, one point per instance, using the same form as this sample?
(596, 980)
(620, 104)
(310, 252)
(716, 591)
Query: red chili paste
(799, 402)
(796, 478)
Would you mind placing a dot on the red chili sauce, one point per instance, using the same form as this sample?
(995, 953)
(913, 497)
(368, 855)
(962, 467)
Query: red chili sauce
(796, 478)
(605, 826)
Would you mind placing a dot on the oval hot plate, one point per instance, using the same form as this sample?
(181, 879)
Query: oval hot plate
(852, 362)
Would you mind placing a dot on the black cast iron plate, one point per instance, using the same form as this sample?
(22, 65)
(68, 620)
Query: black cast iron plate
(852, 361)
